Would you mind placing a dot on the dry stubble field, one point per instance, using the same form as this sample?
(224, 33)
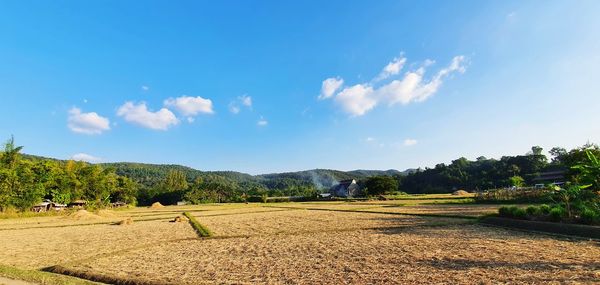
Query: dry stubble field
(289, 243)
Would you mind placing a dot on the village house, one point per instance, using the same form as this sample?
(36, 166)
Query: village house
(77, 204)
(47, 205)
(346, 188)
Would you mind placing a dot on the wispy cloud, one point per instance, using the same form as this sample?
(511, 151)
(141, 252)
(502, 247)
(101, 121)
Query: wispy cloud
(145, 88)
(262, 122)
(391, 68)
(140, 115)
(85, 157)
(329, 86)
(359, 99)
(190, 106)
(410, 142)
(236, 105)
(87, 123)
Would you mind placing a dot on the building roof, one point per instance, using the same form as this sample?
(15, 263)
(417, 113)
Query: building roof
(347, 182)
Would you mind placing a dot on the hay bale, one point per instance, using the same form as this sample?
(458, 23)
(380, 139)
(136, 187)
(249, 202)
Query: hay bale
(460, 193)
(156, 205)
(83, 215)
(180, 219)
(127, 221)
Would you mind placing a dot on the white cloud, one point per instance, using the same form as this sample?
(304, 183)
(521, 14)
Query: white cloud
(329, 86)
(391, 68)
(244, 100)
(357, 99)
(262, 122)
(190, 119)
(145, 88)
(412, 87)
(87, 123)
(140, 115)
(190, 106)
(85, 157)
(370, 139)
(410, 142)
(233, 108)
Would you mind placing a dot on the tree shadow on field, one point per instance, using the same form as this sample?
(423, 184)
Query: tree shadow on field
(546, 267)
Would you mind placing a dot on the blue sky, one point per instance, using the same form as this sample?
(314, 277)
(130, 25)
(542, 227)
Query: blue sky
(279, 86)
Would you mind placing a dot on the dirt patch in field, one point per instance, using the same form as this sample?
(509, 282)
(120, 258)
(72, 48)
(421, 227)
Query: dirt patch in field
(43, 247)
(452, 254)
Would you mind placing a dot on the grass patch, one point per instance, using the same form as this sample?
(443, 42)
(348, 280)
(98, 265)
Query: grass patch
(41, 277)
(451, 201)
(105, 279)
(202, 230)
(384, 213)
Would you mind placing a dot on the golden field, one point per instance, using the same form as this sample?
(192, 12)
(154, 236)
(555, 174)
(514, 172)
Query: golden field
(381, 242)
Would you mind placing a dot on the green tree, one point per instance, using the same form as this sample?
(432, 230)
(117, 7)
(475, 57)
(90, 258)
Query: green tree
(10, 156)
(378, 185)
(175, 181)
(516, 181)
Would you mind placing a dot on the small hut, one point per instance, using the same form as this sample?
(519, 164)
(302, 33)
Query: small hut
(118, 204)
(346, 188)
(41, 207)
(77, 204)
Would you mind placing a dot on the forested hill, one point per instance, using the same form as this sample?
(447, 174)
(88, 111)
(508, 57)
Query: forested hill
(152, 174)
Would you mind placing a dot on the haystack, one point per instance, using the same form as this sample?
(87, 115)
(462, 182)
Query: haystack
(180, 219)
(156, 205)
(83, 215)
(460, 193)
(127, 221)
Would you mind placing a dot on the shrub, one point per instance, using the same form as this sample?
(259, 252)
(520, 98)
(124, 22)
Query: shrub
(505, 211)
(533, 211)
(519, 213)
(545, 209)
(512, 212)
(589, 216)
(557, 213)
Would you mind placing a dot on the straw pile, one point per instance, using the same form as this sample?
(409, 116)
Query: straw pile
(83, 215)
(180, 219)
(156, 205)
(127, 221)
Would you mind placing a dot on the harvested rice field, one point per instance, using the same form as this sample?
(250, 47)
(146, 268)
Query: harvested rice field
(297, 243)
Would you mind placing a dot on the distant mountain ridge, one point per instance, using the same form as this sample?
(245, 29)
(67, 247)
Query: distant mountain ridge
(150, 174)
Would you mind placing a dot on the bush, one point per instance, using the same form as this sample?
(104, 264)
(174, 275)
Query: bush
(519, 213)
(557, 214)
(512, 212)
(533, 211)
(589, 216)
(505, 212)
(545, 209)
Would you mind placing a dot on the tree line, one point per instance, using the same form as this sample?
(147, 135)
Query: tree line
(484, 174)
(26, 182)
